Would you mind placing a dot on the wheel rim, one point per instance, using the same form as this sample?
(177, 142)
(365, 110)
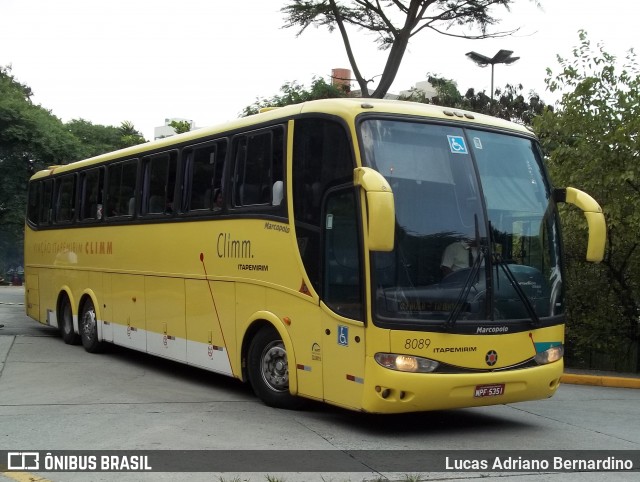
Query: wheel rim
(274, 366)
(89, 324)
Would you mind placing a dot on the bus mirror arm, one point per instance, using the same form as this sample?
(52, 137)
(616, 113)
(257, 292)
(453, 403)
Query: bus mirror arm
(595, 219)
(381, 216)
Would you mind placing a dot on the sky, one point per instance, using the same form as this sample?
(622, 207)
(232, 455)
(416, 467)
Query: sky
(108, 61)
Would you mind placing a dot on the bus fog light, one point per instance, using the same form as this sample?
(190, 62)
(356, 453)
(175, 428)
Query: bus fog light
(551, 355)
(406, 363)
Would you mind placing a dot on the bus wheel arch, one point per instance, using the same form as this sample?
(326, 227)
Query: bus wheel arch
(64, 315)
(88, 317)
(269, 364)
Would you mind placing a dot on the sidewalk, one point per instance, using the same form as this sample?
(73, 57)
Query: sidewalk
(601, 378)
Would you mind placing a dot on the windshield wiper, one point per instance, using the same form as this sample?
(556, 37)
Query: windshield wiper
(499, 261)
(472, 278)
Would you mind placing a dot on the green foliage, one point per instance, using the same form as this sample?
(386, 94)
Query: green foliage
(93, 139)
(96, 139)
(129, 136)
(180, 126)
(593, 144)
(294, 93)
(393, 23)
(447, 93)
(511, 103)
(32, 138)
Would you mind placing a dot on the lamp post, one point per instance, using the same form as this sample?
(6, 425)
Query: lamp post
(502, 57)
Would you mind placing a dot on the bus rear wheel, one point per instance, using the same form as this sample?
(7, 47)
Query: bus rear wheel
(268, 370)
(65, 323)
(89, 328)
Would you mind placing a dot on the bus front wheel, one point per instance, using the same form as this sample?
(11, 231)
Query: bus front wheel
(89, 328)
(268, 370)
(65, 322)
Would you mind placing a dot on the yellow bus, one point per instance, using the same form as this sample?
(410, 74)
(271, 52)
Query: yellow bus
(381, 256)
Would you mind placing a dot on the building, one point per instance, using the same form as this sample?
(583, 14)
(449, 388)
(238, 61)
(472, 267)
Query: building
(166, 130)
(341, 78)
(423, 87)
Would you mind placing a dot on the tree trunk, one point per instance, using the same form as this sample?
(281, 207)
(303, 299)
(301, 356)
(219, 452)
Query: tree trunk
(393, 64)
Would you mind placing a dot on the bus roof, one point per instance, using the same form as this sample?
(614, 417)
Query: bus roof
(347, 108)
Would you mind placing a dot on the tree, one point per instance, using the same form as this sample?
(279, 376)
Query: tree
(593, 144)
(294, 93)
(180, 126)
(30, 138)
(129, 135)
(511, 103)
(96, 139)
(394, 22)
(447, 93)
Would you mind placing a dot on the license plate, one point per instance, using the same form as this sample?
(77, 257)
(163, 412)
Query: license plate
(489, 390)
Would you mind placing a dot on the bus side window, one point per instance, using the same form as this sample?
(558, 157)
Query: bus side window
(259, 159)
(34, 201)
(46, 205)
(66, 199)
(121, 188)
(203, 176)
(342, 284)
(91, 185)
(39, 203)
(218, 178)
(159, 183)
(321, 159)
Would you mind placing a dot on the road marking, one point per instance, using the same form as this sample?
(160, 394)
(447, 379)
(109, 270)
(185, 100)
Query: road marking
(24, 477)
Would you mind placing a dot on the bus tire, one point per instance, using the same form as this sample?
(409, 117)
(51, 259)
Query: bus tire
(268, 370)
(65, 322)
(89, 328)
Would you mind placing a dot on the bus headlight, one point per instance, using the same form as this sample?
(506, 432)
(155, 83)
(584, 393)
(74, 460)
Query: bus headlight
(405, 363)
(551, 355)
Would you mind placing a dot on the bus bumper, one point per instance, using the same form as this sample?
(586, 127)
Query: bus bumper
(390, 391)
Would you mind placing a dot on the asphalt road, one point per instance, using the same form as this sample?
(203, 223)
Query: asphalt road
(59, 397)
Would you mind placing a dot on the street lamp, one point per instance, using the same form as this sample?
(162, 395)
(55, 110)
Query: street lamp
(502, 57)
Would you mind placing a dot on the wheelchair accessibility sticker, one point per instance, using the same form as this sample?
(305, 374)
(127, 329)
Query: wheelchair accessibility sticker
(457, 145)
(343, 335)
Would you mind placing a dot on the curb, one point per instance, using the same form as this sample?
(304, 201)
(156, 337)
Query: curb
(600, 381)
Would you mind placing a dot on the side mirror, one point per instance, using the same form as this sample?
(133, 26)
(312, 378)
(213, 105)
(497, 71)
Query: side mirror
(595, 219)
(381, 213)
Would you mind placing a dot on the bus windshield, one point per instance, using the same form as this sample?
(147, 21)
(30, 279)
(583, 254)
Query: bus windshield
(476, 228)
